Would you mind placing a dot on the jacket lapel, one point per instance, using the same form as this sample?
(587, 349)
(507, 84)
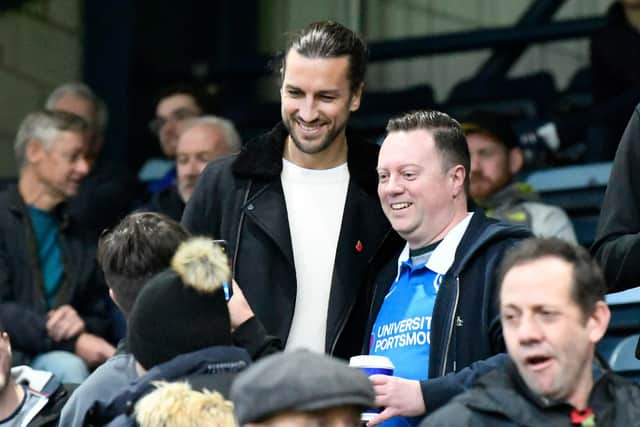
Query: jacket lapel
(267, 209)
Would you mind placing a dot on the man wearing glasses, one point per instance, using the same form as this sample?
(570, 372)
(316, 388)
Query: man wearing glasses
(174, 104)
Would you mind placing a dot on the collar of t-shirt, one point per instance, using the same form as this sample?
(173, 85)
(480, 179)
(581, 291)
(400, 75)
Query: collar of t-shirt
(443, 256)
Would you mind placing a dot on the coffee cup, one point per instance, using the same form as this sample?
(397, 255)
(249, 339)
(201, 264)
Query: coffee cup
(372, 365)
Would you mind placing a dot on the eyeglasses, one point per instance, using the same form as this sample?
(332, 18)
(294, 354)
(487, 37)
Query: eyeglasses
(178, 115)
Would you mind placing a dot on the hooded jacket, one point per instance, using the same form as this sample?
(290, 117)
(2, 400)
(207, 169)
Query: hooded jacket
(213, 368)
(518, 203)
(465, 324)
(502, 399)
(240, 199)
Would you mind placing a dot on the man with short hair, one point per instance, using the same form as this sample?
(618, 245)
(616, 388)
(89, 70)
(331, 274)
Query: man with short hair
(496, 158)
(303, 191)
(553, 315)
(27, 396)
(433, 308)
(174, 104)
(201, 140)
(52, 295)
(299, 389)
(79, 99)
(179, 329)
(106, 194)
(139, 247)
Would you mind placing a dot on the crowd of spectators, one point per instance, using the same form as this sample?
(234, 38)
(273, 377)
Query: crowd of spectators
(245, 274)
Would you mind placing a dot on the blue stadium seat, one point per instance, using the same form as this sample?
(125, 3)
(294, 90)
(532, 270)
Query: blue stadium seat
(623, 360)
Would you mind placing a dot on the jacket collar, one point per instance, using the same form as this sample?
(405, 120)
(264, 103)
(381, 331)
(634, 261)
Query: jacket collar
(261, 158)
(444, 254)
(18, 206)
(481, 232)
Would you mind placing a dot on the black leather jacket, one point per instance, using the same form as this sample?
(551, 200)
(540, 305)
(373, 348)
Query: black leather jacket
(240, 199)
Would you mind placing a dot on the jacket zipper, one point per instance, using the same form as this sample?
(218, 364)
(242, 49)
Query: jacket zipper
(451, 324)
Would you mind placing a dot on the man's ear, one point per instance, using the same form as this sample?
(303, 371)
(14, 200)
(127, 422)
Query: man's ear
(356, 97)
(34, 151)
(598, 321)
(516, 160)
(458, 175)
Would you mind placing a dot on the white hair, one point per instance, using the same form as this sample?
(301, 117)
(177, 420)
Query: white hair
(231, 136)
(83, 91)
(44, 126)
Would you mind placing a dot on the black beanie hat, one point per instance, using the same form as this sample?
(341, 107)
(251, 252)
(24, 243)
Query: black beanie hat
(182, 309)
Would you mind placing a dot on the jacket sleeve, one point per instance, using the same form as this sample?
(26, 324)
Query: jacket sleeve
(453, 415)
(26, 327)
(551, 221)
(617, 245)
(438, 391)
(252, 336)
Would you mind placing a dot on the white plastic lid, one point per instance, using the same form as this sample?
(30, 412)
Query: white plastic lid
(367, 361)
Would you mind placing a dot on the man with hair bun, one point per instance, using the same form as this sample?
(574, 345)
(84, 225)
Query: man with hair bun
(303, 191)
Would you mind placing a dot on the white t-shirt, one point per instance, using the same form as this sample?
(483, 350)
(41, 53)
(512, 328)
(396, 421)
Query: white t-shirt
(315, 203)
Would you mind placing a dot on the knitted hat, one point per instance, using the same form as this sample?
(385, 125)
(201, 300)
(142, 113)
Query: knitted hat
(298, 381)
(497, 125)
(182, 309)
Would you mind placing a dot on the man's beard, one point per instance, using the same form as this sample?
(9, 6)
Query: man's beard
(325, 143)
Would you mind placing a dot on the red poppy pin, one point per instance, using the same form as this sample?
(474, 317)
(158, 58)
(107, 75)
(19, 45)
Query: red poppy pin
(359, 246)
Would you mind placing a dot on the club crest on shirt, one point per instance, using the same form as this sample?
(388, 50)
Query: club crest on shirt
(437, 281)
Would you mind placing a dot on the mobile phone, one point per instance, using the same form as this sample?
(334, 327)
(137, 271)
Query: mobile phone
(227, 284)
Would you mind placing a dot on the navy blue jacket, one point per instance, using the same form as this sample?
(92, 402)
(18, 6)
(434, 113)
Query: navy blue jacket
(213, 368)
(465, 325)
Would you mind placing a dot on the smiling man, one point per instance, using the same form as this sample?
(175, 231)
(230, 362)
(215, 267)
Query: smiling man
(434, 308)
(553, 315)
(52, 295)
(298, 205)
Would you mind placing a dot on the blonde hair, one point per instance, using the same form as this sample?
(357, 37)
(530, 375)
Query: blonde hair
(178, 405)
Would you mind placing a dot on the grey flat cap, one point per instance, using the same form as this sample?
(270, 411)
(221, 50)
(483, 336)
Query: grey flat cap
(297, 381)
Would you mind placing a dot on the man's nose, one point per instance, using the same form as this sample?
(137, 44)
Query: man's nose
(529, 330)
(83, 165)
(308, 110)
(193, 168)
(394, 184)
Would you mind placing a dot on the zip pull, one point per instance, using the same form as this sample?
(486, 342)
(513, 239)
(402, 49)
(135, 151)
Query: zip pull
(459, 321)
